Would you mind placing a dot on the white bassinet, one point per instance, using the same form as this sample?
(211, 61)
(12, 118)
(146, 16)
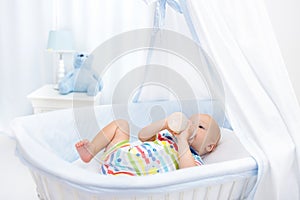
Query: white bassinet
(45, 144)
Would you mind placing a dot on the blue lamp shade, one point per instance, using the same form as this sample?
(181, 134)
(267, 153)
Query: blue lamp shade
(60, 41)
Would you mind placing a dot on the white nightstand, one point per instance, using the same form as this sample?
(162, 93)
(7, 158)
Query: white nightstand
(47, 99)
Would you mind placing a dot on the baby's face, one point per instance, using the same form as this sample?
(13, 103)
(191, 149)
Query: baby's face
(208, 133)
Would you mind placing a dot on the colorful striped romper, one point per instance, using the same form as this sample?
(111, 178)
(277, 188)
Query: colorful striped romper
(146, 158)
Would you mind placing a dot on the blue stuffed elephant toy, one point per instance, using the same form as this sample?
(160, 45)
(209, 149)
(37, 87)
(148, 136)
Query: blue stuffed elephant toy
(82, 78)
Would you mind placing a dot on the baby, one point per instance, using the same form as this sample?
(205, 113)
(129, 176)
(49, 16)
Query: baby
(161, 149)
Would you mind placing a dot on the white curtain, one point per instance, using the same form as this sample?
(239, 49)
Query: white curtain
(260, 101)
(23, 36)
(26, 65)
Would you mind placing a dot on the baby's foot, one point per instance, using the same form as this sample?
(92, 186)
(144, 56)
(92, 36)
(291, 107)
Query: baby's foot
(84, 150)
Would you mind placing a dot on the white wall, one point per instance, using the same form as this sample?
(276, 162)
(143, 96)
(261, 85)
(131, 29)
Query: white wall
(285, 18)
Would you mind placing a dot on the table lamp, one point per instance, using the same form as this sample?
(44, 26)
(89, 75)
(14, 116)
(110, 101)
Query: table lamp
(60, 41)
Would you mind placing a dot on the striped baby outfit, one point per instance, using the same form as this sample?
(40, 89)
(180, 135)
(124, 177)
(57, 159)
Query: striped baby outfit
(145, 158)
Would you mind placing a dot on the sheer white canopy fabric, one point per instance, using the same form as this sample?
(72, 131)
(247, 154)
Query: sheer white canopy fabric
(260, 101)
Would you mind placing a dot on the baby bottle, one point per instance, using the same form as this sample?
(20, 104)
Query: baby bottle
(178, 122)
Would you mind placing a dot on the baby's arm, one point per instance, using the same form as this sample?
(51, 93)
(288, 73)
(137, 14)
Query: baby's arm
(175, 123)
(186, 158)
(149, 132)
(185, 155)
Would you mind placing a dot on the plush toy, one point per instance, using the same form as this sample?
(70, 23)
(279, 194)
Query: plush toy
(82, 78)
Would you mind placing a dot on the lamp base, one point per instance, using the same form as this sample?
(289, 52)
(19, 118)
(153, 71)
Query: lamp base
(60, 73)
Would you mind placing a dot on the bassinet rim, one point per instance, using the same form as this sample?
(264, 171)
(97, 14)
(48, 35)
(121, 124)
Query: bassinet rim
(247, 168)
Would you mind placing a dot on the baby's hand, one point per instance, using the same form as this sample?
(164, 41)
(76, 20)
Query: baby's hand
(177, 122)
(187, 133)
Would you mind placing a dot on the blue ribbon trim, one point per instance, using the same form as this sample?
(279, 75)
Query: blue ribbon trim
(179, 6)
(160, 11)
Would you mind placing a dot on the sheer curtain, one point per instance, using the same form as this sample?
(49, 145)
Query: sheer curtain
(23, 35)
(260, 101)
(25, 63)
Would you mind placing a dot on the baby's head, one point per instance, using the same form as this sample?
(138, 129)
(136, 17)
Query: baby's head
(208, 133)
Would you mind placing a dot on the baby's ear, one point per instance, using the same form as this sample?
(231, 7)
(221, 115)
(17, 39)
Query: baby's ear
(210, 147)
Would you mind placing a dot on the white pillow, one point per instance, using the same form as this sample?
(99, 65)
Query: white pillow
(229, 148)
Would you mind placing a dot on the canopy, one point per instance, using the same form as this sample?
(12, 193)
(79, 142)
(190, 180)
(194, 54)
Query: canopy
(261, 104)
(258, 97)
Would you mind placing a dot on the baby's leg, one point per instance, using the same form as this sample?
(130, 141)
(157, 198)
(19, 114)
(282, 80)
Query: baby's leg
(111, 134)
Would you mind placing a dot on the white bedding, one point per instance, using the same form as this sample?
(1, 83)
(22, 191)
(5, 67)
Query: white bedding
(45, 142)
